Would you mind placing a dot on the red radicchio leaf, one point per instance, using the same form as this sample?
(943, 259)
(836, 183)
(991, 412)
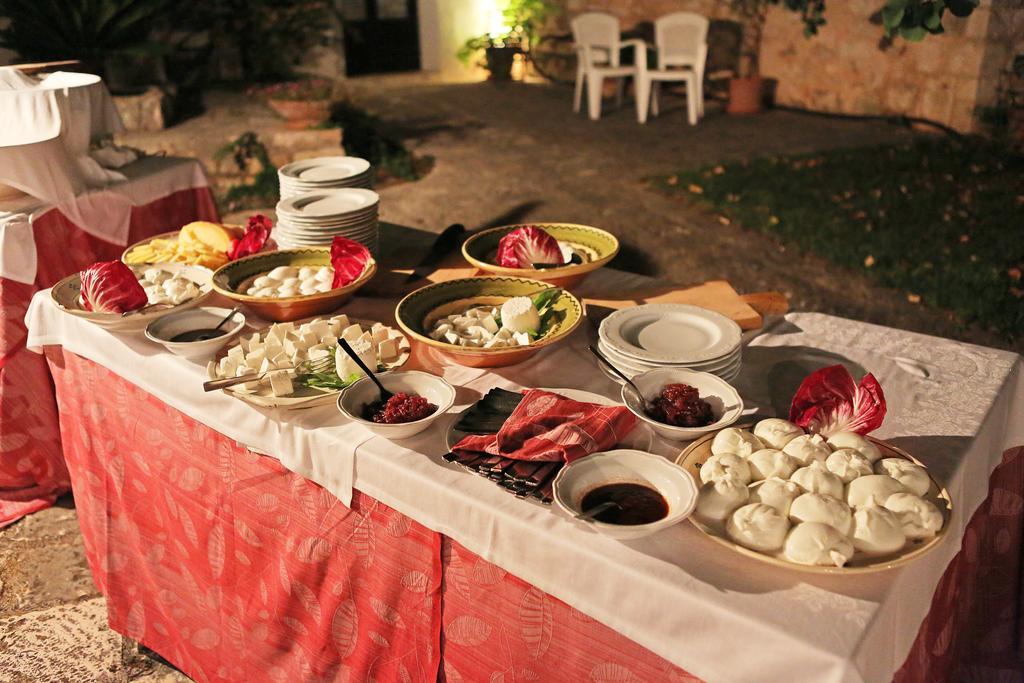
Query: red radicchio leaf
(257, 232)
(525, 246)
(830, 401)
(111, 287)
(348, 259)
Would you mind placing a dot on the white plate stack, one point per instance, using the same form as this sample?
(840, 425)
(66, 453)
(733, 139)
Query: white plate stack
(314, 219)
(323, 173)
(652, 336)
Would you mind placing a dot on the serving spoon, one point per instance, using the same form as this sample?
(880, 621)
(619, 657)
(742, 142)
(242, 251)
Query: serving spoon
(588, 515)
(209, 334)
(648, 406)
(574, 260)
(384, 393)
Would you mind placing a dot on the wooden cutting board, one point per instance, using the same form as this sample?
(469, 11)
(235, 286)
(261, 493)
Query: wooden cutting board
(715, 295)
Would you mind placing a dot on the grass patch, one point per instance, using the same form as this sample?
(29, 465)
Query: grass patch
(941, 219)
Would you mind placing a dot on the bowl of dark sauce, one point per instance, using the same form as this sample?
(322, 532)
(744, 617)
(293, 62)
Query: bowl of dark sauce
(192, 333)
(638, 493)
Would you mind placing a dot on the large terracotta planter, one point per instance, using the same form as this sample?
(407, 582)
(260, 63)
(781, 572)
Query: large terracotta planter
(300, 114)
(746, 95)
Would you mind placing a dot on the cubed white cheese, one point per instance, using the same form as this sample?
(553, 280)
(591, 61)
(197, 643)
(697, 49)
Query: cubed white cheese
(320, 328)
(379, 333)
(288, 347)
(254, 358)
(282, 360)
(488, 323)
(522, 338)
(308, 340)
(236, 353)
(451, 337)
(351, 333)
(365, 338)
(266, 365)
(280, 384)
(319, 353)
(387, 350)
(211, 368)
(329, 340)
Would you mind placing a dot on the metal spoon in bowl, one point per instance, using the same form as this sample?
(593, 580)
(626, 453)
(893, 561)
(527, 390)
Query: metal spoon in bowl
(648, 406)
(588, 515)
(384, 393)
(209, 334)
(574, 260)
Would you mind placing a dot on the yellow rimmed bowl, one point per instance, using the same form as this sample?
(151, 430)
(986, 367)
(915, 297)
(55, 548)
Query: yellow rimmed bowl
(417, 312)
(231, 280)
(595, 246)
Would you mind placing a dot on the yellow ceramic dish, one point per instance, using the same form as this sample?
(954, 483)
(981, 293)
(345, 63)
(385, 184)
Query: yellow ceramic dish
(417, 312)
(597, 247)
(229, 279)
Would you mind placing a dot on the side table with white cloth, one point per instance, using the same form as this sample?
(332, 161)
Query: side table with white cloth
(40, 244)
(336, 557)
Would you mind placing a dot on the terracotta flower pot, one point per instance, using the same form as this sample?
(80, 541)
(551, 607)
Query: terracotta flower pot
(746, 95)
(301, 113)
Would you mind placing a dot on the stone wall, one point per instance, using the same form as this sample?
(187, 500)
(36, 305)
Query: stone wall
(847, 69)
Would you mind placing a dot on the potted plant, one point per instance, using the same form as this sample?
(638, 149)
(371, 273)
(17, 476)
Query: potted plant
(302, 104)
(525, 18)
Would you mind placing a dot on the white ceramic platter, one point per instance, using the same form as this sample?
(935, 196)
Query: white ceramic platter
(66, 294)
(328, 204)
(325, 169)
(670, 333)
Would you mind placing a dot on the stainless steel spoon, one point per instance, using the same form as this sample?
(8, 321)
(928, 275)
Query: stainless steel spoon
(648, 406)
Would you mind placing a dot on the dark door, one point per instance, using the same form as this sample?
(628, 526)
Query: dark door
(380, 36)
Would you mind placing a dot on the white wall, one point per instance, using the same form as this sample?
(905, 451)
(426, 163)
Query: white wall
(447, 24)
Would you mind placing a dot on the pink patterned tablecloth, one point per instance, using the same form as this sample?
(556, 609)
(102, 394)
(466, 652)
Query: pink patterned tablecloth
(232, 567)
(32, 471)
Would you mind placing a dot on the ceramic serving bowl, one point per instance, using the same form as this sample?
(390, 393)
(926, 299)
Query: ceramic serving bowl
(163, 330)
(597, 247)
(725, 401)
(582, 476)
(67, 295)
(417, 312)
(355, 398)
(231, 279)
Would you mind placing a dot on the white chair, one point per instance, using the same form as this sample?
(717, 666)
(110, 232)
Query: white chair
(682, 47)
(598, 43)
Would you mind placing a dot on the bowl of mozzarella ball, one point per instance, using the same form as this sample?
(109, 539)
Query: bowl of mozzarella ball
(835, 504)
(288, 284)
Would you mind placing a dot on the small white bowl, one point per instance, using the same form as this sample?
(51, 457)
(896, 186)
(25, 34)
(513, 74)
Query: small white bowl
(164, 329)
(725, 401)
(627, 466)
(433, 388)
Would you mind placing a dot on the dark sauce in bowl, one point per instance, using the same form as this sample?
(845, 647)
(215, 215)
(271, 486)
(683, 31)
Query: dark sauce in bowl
(637, 504)
(197, 335)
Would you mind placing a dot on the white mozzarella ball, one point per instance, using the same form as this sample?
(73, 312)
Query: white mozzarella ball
(808, 448)
(725, 465)
(776, 492)
(874, 488)
(920, 519)
(816, 479)
(769, 462)
(856, 442)
(735, 440)
(264, 281)
(758, 526)
(325, 274)
(282, 273)
(322, 287)
(719, 498)
(306, 272)
(877, 531)
(914, 477)
(848, 464)
(815, 543)
(816, 507)
(776, 433)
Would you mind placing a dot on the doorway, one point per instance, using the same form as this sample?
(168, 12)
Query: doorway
(380, 36)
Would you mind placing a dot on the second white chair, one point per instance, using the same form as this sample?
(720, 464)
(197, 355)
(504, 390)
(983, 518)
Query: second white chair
(682, 48)
(598, 44)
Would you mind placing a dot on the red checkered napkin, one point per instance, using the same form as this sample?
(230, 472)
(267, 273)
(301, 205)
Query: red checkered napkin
(549, 427)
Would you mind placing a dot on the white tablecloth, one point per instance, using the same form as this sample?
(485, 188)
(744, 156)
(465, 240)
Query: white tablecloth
(698, 605)
(104, 213)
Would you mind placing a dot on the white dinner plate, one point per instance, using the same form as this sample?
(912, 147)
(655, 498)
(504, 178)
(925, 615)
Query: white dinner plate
(670, 333)
(728, 374)
(325, 169)
(329, 204)
(633, 363)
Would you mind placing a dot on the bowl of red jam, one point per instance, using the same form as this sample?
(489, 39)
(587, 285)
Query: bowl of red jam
(683, 405)
(418, 399)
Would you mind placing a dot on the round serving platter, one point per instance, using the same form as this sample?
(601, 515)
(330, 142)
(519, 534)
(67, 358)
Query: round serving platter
(694, 455)
(308, 397)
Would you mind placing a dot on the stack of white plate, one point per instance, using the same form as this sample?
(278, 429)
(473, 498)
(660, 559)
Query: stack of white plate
(314, 219)
(323, 173)
(652, 336)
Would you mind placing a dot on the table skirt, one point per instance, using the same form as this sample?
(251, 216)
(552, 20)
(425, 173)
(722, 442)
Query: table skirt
(230, 567)
(32, 471)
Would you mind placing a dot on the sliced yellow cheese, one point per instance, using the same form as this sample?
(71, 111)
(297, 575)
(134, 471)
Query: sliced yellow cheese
(208, 234)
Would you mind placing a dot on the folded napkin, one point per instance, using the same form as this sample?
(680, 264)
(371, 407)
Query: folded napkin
(548, 427)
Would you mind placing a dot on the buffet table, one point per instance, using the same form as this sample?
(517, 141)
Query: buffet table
(39, 245)
(336, 554)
